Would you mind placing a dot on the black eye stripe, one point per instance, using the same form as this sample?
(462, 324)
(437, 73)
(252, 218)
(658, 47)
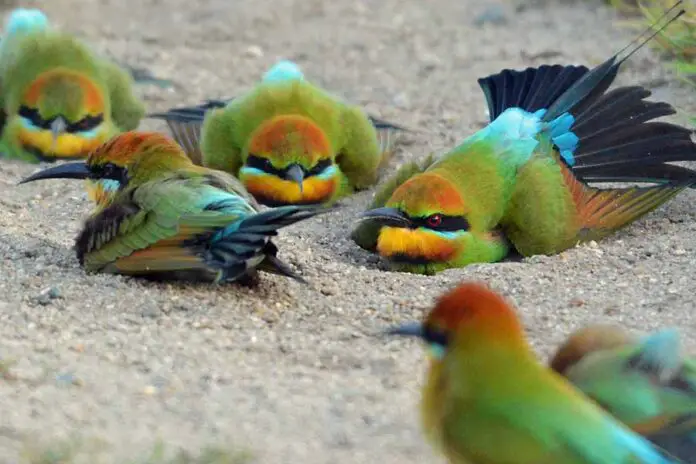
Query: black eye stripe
(84, 124)
(435, 336)
(320, 167)
(33, 115)
(265, 165)
(448, 223)
(109, 171)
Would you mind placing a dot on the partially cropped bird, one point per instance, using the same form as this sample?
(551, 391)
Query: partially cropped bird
(522, 184)
(59, 99)
(488, 400)
(162, 217)
(287, 140)
(647, 382)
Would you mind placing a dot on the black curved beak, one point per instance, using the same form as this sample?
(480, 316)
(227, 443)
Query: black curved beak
(296, 174)
(387, 216)
(77, 170)
(409, 329)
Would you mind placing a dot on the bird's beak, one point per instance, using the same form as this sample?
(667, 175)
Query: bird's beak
(387, 216)
(409, 329)
(58, 127)
(295, 174)
(78, 170)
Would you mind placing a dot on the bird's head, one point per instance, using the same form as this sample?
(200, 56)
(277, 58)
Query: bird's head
(62, 114)
(129, 158)
(598, 337)
(290, 160)
(425, 224)
(467, 314)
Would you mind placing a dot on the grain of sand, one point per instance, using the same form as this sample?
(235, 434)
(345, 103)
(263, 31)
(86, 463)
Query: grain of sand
(295, 374)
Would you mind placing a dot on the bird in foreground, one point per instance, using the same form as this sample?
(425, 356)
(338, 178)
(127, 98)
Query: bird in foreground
(522, 184)
(59, 99)
(646, 383)
(488, 400)
(287, 140)
(162, 217)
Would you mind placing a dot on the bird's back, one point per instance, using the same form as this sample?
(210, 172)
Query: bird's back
(538, 417)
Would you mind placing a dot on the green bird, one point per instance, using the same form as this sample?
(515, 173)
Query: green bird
(59, 100)
(287, 140)
(522, 184)
(646, 383)
(163, 217)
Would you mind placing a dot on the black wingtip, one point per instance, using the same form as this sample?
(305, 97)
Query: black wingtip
(276, 266)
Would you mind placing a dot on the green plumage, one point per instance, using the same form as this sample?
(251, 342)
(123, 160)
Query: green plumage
(639, 382)
(287, 140)
(353, 139)
(162, 217)
(647, 384)
(47, 74)
(523, 182)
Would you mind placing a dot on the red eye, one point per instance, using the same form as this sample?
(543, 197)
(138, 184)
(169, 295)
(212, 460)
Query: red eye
(434, 221)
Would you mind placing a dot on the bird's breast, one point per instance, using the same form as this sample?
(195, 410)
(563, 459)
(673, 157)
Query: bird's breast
(274, 191)
(64, 146)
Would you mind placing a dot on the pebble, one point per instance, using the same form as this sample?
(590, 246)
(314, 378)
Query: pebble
(46, 295)
(254, 51)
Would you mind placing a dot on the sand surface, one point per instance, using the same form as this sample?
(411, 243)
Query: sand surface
(295, 374)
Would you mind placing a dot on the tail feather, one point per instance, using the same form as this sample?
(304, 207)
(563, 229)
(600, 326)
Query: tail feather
(622, 106)
(600, 136)
(531, 90)
(593, 84)
(659, 174)
(646, 144)
(245, 245)
(274, 265)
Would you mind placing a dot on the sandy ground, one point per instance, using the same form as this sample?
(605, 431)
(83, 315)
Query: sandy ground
(295, 374)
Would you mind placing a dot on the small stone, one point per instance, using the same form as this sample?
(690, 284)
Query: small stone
(679, 252)
(46, 295)
(150, 390)
(401, 100)
(254, 51)
(576, 302)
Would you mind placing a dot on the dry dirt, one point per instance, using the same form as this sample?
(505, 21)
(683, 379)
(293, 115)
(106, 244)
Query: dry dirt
(296, 374)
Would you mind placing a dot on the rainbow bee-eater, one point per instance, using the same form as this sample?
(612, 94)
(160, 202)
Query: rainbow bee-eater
(646, 383)
(287, 140)
(160, 216)
(522, 183)
(488, 400)
(59, 99)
